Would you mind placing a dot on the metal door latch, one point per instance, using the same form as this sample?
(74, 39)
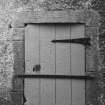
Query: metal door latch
(36, 68)
(84, 41)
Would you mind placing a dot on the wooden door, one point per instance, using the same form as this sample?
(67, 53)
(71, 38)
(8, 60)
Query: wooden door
(54, 59)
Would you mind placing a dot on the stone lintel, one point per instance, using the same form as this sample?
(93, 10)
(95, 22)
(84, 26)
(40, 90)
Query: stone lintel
(88, 17)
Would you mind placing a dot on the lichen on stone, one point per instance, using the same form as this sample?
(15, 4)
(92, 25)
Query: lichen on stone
(65, 4)
(6, 64)
(101, 99)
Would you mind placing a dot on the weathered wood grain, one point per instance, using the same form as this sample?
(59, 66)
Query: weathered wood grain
(47, 62)
(31, 86)
(63, 87)
(78, 66)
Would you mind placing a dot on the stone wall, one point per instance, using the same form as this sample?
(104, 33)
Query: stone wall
(12, 46)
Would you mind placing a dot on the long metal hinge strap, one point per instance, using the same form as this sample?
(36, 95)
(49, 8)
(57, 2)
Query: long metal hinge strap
(84, 41)
(56, 76)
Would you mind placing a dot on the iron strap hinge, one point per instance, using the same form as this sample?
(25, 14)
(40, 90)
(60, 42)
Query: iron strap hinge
(56, 76)
(84, 41)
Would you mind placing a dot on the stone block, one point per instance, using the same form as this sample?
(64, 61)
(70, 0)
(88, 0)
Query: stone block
(18, 34)
(19, 65)
(17, 98)
(91, 31)
(18, 49)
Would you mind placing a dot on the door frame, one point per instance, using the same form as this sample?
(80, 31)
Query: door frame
(90, 31)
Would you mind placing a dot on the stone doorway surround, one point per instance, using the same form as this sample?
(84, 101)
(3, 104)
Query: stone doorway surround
(90, 18)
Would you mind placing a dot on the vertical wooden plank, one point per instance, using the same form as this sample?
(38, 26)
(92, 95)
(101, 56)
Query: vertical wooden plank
(47, 61)
(31, 48)
(31, 86)
(63, 87)
(78, 65)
